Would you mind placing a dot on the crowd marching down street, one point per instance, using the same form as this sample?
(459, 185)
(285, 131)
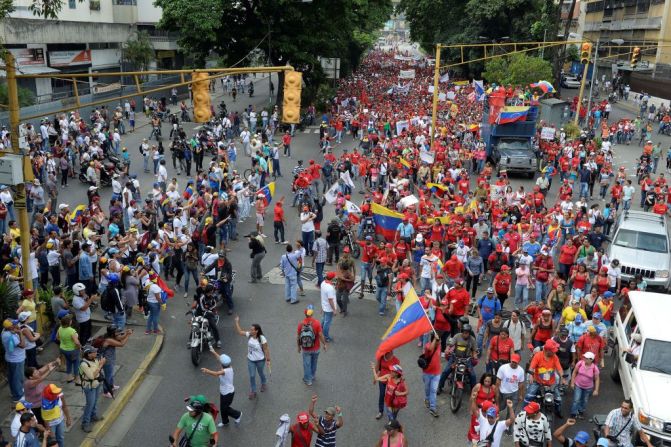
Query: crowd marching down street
(508, 293)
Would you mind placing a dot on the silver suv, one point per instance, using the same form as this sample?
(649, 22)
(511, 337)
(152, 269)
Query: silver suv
(641, 244)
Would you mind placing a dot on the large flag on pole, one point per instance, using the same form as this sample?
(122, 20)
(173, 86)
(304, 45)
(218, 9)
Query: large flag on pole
(386, 221)
(268, 192)
(410, 323)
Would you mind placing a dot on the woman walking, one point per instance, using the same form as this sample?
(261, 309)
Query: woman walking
(585, 383)
(396, 391)
(258, 355)
(114, 338)
(154, 304)
(70, 346)
(392, 436)
(226, 389)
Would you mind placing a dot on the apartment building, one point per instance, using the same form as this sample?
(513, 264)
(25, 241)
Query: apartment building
(87, 37)
(636, 22)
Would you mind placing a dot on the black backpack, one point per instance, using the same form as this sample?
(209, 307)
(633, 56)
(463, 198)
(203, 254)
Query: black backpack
(307, 336)
(109, 298)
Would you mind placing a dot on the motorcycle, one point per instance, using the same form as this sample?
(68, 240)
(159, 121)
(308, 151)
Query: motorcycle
(156, 132)
(368, 225)
(546, 399)
(105, 175)
(201, 336)
(349, 240)
(457, 380)
(220, 288)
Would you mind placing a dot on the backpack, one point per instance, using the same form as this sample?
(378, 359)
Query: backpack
(307, 336)
(107, 302)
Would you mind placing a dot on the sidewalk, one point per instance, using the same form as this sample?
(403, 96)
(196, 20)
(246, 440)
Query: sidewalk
(132, 362)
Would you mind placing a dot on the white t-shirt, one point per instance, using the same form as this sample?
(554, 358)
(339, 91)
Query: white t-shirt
(485, 428)
(151, 294)
(309, 225)
(510, 378)
(81, 316)
(226, 382)
(255, 347)
(328, 292)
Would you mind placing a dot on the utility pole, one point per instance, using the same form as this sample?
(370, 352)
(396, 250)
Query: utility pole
(20, 199)
(434, 110)
(591, 82)
(582, 90)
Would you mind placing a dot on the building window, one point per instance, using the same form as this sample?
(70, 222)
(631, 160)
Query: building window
(94, 5)
(72, 4)
(643, 6)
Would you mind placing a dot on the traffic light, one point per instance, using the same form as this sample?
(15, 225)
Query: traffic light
(585, 52)
(635, 57)
(202, 110)
(291, 104)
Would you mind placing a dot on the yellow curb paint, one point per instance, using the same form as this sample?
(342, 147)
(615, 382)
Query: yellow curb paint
(120, 402)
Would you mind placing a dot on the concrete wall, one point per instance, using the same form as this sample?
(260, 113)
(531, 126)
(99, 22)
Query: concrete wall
(147, 12)
(81, 12)
(21, 31)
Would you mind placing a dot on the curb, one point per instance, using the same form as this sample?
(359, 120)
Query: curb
(120, 402)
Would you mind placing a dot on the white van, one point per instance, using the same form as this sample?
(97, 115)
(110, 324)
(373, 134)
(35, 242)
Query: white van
(645, 369)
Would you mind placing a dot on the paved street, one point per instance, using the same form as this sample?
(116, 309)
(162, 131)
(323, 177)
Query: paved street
(344, 376)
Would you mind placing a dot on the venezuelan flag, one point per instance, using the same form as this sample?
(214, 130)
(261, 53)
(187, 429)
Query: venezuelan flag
(268, 192)
(76, 214)
(405, 163)
(437, 188)
(511, 114)
(461, 83)
(410, 322)
(442, 219)
(386, 221)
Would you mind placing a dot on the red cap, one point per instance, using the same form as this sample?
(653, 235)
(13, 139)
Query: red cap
(515, 358)
(346, 250)
(551, 345)
(330, 275)
(532, 408)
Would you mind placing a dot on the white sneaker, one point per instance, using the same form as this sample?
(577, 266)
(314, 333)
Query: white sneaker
(263, 235)
(237, 421)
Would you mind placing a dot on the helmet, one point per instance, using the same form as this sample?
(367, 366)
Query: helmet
(225, 360)
(466, 328)
(464, 320)
(88, 349)
(113, 277)
(78, 288)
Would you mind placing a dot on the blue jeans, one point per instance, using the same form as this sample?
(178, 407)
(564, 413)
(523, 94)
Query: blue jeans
(584, 189)
(320, 273)
(108, 369)
(71, 361)
(3, 226)
(448, 369)
(308, 237)
(580, 398)
(146, 163)
(431, 388)
(521, 295)
(424, 284)
(119, 320)
(326, 324)
(253, 367)
(541, 291)
(58, 432)
(381, 297)
(154, 313)
(190, 272)
(91, 395)
(290, 288)
(366, 270)
(310, 365)
(15, 379)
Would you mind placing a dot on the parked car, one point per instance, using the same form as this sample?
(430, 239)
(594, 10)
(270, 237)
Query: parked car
(570, 82)
(641, 361)
(641, 244)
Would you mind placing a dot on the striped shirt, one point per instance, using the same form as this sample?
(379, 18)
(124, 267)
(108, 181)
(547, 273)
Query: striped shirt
(328, 439)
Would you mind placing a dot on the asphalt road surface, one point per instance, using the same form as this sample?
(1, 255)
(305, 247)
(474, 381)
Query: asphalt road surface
(343, 377)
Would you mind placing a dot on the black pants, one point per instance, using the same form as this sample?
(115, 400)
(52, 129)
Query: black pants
(278, 230)
(64, 177)
(55, 272)
(225, 408)
(472, 282)
(334, 249)
(85, 332)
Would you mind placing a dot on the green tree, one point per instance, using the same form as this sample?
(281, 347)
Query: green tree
(139, 51)
(26, 96)
(287, 31)
(572, 53)
(517, 69)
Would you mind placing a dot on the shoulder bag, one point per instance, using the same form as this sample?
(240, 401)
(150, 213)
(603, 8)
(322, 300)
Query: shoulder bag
(185, 441)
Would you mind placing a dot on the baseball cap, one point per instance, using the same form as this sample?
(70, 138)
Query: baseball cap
(608, 294)
(309, 310)
(589, 354)
(330, 275)
(331, 411)
(591, 329)
(551, 345)
(23, 405)
(603, 442)
(346, 250)
(578, 318)
(369, 238)
(303, 417)
(9, 323)
(491, 412)
(582, 437)
(515, 358)
(23, 316)
(532, 408)
(490, 290)
(597, 315)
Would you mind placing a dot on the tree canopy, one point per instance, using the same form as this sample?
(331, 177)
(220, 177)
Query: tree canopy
(517, 69)
(139, 51)
(287, 31)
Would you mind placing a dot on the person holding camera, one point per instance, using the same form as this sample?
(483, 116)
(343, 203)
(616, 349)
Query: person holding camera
(621, 425)
(90, 374)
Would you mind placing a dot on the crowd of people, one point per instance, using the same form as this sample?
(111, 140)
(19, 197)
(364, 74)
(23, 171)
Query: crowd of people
(528, 266)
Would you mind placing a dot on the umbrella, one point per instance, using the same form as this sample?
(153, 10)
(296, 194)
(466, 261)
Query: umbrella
(543, 86)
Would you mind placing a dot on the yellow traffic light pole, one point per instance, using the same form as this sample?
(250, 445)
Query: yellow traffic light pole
(20, 199)
(582, 89)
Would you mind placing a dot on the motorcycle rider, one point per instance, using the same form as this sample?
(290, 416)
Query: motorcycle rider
(461, 346)
(225, 274)
(155, 126)
(544, 370)
(205, 305)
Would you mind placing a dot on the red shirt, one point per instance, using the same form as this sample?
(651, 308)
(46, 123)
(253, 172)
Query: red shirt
(591, 343)
(434, 359)
(278, 213)
(301, 437)
(386, 365)
(659, 208)
(566, 254)
(367, 252)
(460, 299)
(502, 283)
(500, 349)
(316, 327)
